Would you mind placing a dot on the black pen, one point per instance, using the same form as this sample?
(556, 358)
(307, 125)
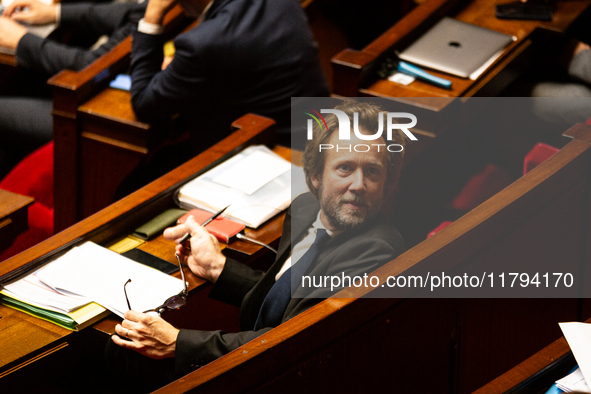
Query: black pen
(187, 236)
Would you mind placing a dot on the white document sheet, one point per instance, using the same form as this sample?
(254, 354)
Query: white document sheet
(578, 336)
(100, 274)
(573, 382)
(253, 172)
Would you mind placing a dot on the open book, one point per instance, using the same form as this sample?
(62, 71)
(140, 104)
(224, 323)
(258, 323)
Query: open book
(256, 183)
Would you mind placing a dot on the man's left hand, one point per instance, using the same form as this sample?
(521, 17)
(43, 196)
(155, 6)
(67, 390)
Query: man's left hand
(149, 335)
(11, 32)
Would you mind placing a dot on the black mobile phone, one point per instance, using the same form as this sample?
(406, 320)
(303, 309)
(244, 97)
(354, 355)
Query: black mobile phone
(518, 10)
(151, 261)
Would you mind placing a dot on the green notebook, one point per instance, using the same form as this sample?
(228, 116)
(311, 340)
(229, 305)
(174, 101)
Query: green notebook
(54, 317)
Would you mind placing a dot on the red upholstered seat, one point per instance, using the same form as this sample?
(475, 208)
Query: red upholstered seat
(539, 154)
(481, 187)
(493, 179)
(33, 176)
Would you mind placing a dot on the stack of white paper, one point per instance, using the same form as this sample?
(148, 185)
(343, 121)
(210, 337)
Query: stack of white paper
(578, 336)
(33, 291)
(573, 382)
(99, 275)
(256, 183)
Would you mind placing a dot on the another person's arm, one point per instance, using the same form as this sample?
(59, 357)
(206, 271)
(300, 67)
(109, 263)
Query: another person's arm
(51, 57)
(157, 93)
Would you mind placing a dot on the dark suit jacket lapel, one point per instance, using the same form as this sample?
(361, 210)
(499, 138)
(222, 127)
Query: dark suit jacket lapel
(299, 218)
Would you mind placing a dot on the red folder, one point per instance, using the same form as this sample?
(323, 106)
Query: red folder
(221, 228)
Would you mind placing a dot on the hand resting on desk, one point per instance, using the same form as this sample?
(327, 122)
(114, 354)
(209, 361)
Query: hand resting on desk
(148, 335)
(31, 11)
(24, 11)
(10, 33)
(202, 252)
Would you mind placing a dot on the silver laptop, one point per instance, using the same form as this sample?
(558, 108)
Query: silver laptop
(456, 47)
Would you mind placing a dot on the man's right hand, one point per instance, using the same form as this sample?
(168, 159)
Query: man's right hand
(31, 11)
(203, 256)
(157, 9)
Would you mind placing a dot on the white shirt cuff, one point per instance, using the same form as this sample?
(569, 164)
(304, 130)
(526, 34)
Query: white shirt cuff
(149, 28)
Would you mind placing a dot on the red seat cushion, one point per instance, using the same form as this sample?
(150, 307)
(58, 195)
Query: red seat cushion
(33, 176)
(481, 187)
(539, 154)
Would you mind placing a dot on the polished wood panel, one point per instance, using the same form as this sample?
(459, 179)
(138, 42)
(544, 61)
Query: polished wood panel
(13, 216)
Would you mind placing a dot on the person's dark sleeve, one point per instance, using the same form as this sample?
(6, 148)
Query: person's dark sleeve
(362, 255)
(196, 348)
(580, 66)
(158, 94)
(51, 57)
(99, 19)
(234, 282)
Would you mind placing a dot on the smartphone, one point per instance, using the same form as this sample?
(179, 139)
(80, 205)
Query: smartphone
(151, 261)
(122, 82)
(519, 10)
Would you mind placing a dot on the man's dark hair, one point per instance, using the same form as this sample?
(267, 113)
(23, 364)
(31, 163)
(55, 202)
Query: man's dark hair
(368, 113)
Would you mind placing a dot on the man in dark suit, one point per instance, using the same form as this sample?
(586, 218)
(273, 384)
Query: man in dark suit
(244, 56)
(334, 230)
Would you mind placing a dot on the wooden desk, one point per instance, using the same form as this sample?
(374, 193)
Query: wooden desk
(355, 72)
(13, 216)
(109, 225)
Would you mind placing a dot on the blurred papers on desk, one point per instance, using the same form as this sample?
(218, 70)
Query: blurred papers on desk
(575, 381)
(80, 284)
(578, 336)
(256, 183)
(32, 296)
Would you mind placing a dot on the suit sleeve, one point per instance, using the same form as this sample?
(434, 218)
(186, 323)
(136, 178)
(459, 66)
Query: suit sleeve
(98, 19)
(51, 57)
(234, 282)
(157, 94)
(196, 348)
